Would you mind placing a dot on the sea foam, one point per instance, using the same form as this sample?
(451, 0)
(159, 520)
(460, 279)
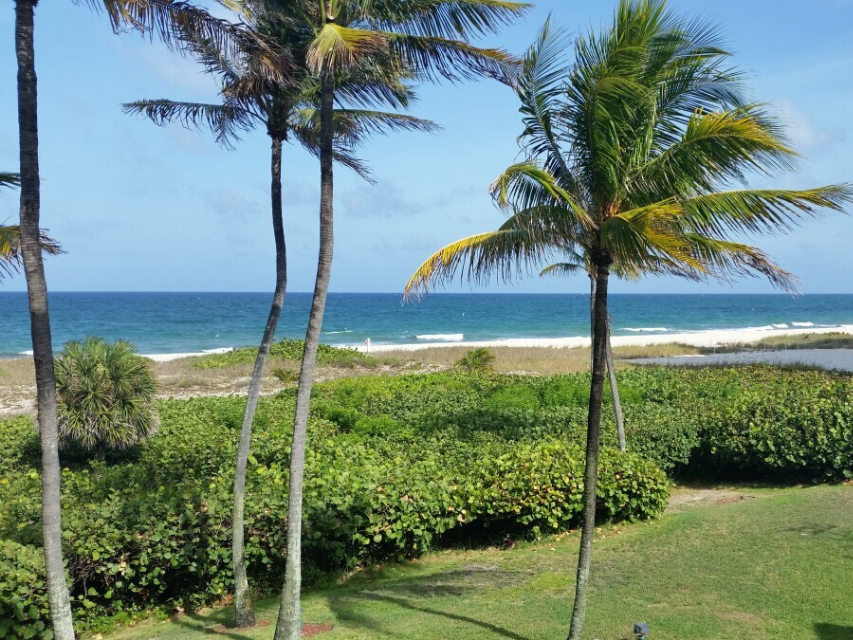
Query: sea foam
(444, 337)
(645, 329)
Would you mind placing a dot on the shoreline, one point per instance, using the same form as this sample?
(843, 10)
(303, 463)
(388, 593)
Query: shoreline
(710, 338)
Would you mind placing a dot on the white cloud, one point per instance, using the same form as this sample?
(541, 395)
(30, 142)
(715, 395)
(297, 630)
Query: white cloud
(805, 135)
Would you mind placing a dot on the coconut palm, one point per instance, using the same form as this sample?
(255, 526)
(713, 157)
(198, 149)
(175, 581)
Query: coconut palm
(169, 20)
(285, 111)
(426, 37)
(640, 155)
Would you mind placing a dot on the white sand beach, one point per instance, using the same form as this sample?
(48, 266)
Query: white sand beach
(698, 339)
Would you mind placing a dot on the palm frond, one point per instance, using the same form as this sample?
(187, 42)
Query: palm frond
(506, 253)
(760, 210)
(226, 121)
(726, 261)
(717, 148)
(563, 269)
(178, 24)
(459, 19)
(526, 185)
(540, 88)
(11, 258)
(646, 238)
(435, 58)
(338, 47)
(10, 180)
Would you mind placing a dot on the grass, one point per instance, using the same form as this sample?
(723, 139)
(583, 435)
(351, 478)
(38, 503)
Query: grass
(799, 341)
(538, 360)
(762, 564)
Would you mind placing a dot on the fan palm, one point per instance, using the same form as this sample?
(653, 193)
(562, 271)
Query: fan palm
(286, 112)
(638, 156)
(169, 19)
(426, 37)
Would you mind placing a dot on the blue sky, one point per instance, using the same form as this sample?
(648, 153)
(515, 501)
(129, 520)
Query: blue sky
(139, 207)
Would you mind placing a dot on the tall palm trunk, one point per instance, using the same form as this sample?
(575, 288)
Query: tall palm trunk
(611, 369)
(289, 626)
(245, 613)
(593, 438)
(51, 511)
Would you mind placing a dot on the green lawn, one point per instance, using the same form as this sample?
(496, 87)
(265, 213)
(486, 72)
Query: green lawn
(778, 564)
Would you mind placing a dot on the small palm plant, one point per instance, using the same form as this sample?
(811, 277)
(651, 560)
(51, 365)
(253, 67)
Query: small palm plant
(477, 361)
(105, 395)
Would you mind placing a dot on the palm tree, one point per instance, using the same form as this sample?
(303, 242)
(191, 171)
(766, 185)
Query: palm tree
(285, 111)
(639, 153)
(429, 38)
(170, 20)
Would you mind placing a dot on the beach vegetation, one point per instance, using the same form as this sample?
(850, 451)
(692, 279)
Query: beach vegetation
(286, 349)
(285, 375)
(155, 530)
(637, 158)
(476, 360)
(397, 466)
(105, 394)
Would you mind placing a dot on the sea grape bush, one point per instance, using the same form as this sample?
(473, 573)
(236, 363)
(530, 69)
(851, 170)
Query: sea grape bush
(286, 349)
(156, 529)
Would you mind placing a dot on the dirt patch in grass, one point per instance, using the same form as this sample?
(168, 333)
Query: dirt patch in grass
(311, 630)
(684, 498)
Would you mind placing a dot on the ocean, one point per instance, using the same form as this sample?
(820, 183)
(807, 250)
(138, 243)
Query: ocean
(159, 323)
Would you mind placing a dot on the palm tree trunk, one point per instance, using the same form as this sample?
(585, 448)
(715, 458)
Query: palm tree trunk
(593, 438)
(245, 613)
(289, 626)
(611, 369)
(51, 509)
(614, 391)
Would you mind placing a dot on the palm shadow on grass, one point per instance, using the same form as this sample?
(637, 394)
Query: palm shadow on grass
(345, 606)
(414, 594)
(202, 624)
(833, 632)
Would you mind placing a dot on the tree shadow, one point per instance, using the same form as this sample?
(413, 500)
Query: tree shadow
(202, 624)
(342, 606)
(833, 631)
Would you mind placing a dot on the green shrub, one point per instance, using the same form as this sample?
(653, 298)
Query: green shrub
(23, 592)
(785, 430)
(156, 530)
(105, 393)
(288, 350)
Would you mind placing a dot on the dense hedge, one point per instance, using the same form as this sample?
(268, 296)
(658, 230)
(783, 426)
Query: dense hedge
(156, 528)
(748, 422)
(287, 349)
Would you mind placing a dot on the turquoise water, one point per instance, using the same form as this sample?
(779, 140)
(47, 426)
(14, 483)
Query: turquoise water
(192, 322)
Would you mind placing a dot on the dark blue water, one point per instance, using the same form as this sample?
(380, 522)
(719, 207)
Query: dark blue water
(191, 322)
